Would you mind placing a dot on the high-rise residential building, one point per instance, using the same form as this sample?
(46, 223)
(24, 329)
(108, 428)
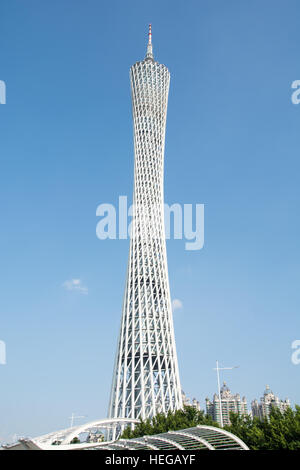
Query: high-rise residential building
(229, 402)
(267, 402)
(146, 378)
(186, 401)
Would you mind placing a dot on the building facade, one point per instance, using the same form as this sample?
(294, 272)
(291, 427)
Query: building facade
(268, 401)
(146, 378)
(194, 403)
(229, 403)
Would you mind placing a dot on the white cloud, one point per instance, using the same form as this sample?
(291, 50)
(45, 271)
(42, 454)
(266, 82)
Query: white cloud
(176, 304)
(75, 284)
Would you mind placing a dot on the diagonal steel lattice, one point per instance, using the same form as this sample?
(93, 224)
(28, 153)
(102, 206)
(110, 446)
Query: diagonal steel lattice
(146, 378)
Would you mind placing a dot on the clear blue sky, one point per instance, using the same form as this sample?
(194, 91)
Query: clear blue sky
(66, 145)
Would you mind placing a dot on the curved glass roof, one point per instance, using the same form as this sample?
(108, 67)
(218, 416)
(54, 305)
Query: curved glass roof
(197, 438)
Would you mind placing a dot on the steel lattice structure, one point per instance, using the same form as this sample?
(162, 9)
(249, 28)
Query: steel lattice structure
(146, 378)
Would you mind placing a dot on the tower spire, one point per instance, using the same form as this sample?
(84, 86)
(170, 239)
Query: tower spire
(149, 54)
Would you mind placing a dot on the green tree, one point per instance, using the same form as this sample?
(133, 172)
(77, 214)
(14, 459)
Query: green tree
(188, 417)
(280, 432)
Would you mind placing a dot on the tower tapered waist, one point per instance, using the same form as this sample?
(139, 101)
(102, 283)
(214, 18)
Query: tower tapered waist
(146, 378)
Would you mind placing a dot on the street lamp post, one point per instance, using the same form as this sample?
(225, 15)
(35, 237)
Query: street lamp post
(219, 389)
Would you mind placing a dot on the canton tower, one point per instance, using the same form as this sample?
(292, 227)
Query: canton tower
(146, 378)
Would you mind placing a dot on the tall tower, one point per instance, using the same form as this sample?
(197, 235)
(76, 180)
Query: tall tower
(146, 378)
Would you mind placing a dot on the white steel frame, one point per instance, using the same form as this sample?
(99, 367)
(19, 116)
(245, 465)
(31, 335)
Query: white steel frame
(146, 377)
(209, 437)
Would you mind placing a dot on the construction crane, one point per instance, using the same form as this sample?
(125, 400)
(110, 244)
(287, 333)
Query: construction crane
(73, 417)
